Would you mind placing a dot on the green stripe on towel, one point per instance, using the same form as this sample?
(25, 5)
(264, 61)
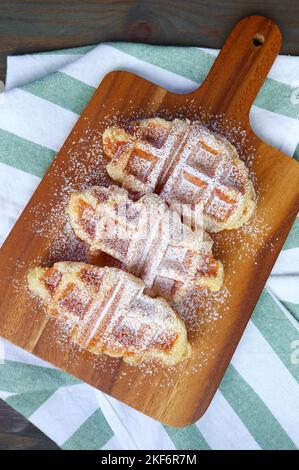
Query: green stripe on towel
(91, 435)
(63, 90)
(189, 62)
(187, 438)
(18, 377)
(258, 419)
(277, 330)
(24, 154)
(28, 402)
(294, 311)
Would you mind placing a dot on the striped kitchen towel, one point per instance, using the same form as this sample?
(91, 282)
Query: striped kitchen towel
(257, 404)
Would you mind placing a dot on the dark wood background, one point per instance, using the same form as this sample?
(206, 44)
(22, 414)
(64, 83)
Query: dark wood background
(32, 26)
(17, 433)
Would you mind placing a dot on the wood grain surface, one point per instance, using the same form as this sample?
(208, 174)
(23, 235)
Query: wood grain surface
(181, 395)
(40, 25)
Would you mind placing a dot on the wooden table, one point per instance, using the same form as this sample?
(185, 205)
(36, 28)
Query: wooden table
(36, 25)
(17, 433)
(28, 26)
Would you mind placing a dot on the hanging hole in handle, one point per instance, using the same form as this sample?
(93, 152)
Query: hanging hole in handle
(258, 40)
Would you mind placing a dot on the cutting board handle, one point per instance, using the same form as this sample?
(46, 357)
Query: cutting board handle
(243, 63)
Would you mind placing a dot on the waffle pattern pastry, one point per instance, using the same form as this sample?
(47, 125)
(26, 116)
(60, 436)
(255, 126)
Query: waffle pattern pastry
(148, 239)
(184, 163)
(107, 312)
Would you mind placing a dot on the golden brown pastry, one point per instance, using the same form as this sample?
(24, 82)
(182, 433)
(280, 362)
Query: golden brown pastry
(108, 312)
(185, 163)
(149, 239)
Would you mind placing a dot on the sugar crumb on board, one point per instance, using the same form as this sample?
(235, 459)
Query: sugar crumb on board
(201, 310)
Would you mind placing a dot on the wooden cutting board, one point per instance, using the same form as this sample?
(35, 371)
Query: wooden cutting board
(181, 395)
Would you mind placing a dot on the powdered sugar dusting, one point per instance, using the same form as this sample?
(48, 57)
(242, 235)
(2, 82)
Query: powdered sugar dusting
(185, 163)
(85, 167)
